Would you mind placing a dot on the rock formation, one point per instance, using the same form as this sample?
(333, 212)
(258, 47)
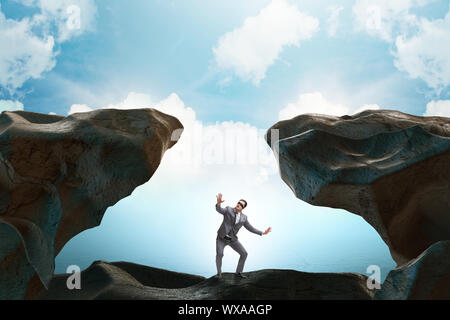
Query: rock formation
(121, 280)
(58, 175)
(426, 277)
(391, 168)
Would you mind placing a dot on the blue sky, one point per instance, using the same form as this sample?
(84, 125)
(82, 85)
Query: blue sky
(220, 67)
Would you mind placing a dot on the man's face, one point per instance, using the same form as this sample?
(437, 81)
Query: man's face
(239, 206)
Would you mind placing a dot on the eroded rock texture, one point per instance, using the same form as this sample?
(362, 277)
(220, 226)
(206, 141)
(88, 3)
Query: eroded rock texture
(426, 277)
(125, 281)
(391, 168)
(58, 175)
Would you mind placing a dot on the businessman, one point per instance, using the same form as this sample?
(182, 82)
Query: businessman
(233, 220)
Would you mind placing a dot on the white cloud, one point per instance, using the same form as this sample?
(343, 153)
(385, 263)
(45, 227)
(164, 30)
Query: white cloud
(249, 50)
(385, 18)
(333, 20)
(133, 101)
(203, 150)
(371, 106)
(438, 108)
(75, 108)
(30, 43)
(421, 46)
(23, 55)
(9, 105)
(426, 55)
(64, 18)
(316, 103)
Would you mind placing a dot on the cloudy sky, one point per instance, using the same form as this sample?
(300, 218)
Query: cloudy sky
(228, 70)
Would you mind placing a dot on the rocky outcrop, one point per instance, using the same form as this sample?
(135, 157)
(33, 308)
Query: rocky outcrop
(58, 175)
(391, 168)
(121, 280)
(426, 277)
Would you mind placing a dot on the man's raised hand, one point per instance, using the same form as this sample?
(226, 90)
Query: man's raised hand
(267, 231)
(219, 198)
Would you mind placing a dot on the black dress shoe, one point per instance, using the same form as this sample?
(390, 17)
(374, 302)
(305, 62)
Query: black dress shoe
(240, 275)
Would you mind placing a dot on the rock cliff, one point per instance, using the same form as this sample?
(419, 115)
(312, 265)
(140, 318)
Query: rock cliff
(58, 175)
(391, 168)
(426, 277)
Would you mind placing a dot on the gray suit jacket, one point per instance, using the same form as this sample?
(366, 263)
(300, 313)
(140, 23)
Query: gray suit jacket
(229, 226)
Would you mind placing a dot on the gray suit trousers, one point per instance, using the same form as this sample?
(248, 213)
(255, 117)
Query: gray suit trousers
(237, 246)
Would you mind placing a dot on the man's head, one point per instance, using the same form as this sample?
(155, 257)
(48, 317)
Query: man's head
(241, 205)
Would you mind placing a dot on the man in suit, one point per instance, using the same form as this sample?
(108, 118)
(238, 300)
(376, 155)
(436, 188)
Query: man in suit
(233, 220)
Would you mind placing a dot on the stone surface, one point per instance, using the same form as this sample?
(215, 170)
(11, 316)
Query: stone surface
(103, 280)
(58, 175)
(426, 277)
(391, 168)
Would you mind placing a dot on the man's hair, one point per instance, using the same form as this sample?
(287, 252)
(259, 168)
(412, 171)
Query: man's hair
(245, 203)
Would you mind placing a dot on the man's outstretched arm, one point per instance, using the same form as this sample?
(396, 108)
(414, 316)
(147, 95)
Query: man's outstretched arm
(250, 228)
(219, 209)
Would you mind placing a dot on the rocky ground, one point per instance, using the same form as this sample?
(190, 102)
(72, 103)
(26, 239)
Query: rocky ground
(123, 280)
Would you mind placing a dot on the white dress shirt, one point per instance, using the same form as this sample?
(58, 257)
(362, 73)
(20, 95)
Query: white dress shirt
(238, 216)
